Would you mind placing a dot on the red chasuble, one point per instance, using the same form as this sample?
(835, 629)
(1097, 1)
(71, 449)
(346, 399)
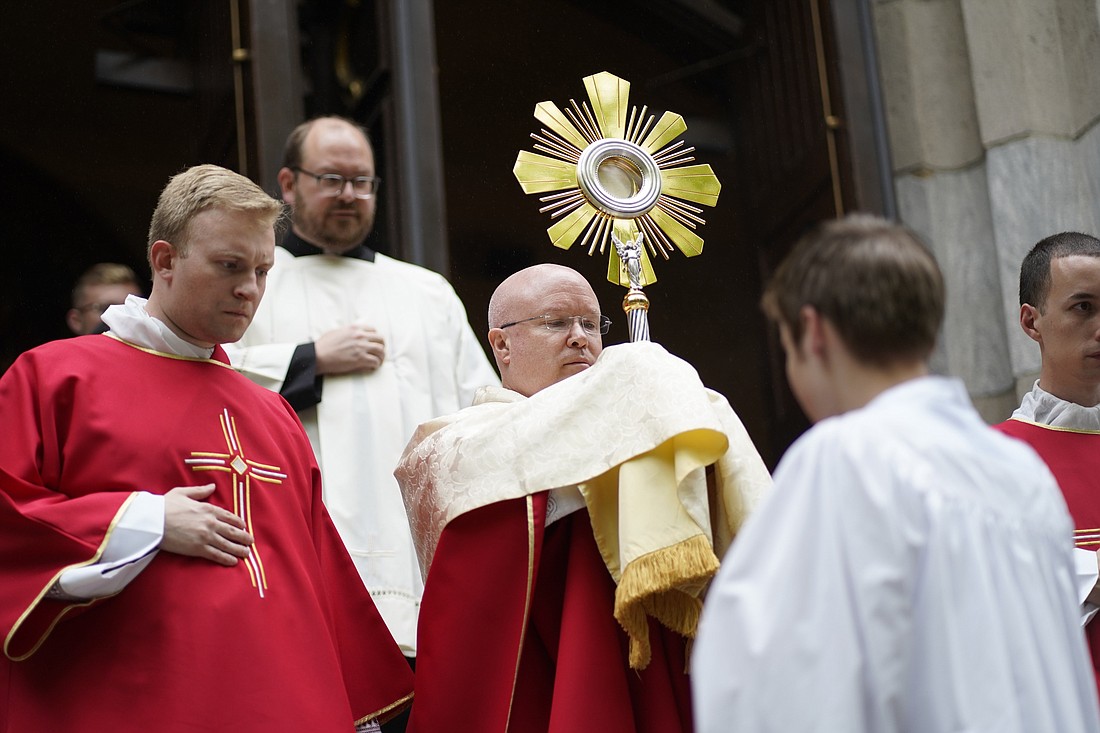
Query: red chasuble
(288, 640)
(517, 633)
(1074, 458)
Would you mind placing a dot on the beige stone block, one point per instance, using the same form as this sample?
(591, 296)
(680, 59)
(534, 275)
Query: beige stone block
(1034, 66)
(996, 408)
(1038, 186)
(950, 210)
(926, 81)
(1024, 384)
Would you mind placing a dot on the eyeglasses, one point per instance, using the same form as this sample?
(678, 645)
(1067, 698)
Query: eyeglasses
(332, 184)
(591, 323)
(99, 308)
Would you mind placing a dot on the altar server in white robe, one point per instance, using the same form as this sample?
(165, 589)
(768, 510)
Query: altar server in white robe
(365, 347)
(912, 569)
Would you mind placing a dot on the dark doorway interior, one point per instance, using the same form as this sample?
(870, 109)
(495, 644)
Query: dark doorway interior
(104, 100)
(743, 75)
(124, 94)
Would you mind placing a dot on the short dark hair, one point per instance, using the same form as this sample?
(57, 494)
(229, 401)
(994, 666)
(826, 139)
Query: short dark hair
(1035, 269)
(872, 279)
(292, 151)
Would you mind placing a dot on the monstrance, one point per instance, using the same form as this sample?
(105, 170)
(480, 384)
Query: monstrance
(613, 178)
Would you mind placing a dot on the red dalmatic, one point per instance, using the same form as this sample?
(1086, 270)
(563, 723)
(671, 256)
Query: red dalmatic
(517, 634)
(287, 640)
(1074, 459)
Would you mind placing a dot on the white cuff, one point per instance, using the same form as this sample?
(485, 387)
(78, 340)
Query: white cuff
(563, 502)
(1086, 576)
(133, 545)
(264, 364)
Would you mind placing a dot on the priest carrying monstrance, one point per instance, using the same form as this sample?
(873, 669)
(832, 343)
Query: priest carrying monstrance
(569, 521)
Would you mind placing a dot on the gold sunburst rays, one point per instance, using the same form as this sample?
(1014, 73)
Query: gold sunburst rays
(606, 168)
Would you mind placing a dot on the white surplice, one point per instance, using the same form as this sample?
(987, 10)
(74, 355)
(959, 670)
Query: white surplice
(911, 571)
(433, 366)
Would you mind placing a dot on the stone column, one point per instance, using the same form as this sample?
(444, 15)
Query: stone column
(992, 108)
(942, 186)
(1038, 100)
(419, 139)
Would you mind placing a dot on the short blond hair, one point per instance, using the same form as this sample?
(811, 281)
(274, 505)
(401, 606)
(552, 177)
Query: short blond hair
(206, 187)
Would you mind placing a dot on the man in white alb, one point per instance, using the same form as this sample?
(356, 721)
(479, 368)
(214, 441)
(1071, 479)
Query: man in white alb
(912, 569)
(365, 347)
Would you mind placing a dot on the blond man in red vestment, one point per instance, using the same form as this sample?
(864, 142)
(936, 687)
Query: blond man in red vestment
(166, 559)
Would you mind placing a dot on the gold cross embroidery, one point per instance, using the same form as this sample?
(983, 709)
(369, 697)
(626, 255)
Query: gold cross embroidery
(1086, 537)
(243, 472)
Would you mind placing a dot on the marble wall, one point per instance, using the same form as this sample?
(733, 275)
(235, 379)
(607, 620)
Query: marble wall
(992, 109)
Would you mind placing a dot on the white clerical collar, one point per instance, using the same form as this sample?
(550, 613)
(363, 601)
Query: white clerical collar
(1044, 408)
(491, 393)
(131, 322)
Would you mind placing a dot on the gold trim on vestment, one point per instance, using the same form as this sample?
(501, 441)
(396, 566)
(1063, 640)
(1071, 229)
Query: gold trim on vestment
(391, 707)
(1058, 428)
(1084, 533)
(166, 355)
(527, 603)
(76, 604)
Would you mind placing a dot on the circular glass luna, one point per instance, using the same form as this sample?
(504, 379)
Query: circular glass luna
(619, 178)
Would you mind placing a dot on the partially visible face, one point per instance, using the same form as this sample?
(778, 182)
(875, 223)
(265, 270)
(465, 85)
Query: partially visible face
(534, 357)
(210, 296)
(807, 377)
(94, 299)
(336, 224)
(1068, 328)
